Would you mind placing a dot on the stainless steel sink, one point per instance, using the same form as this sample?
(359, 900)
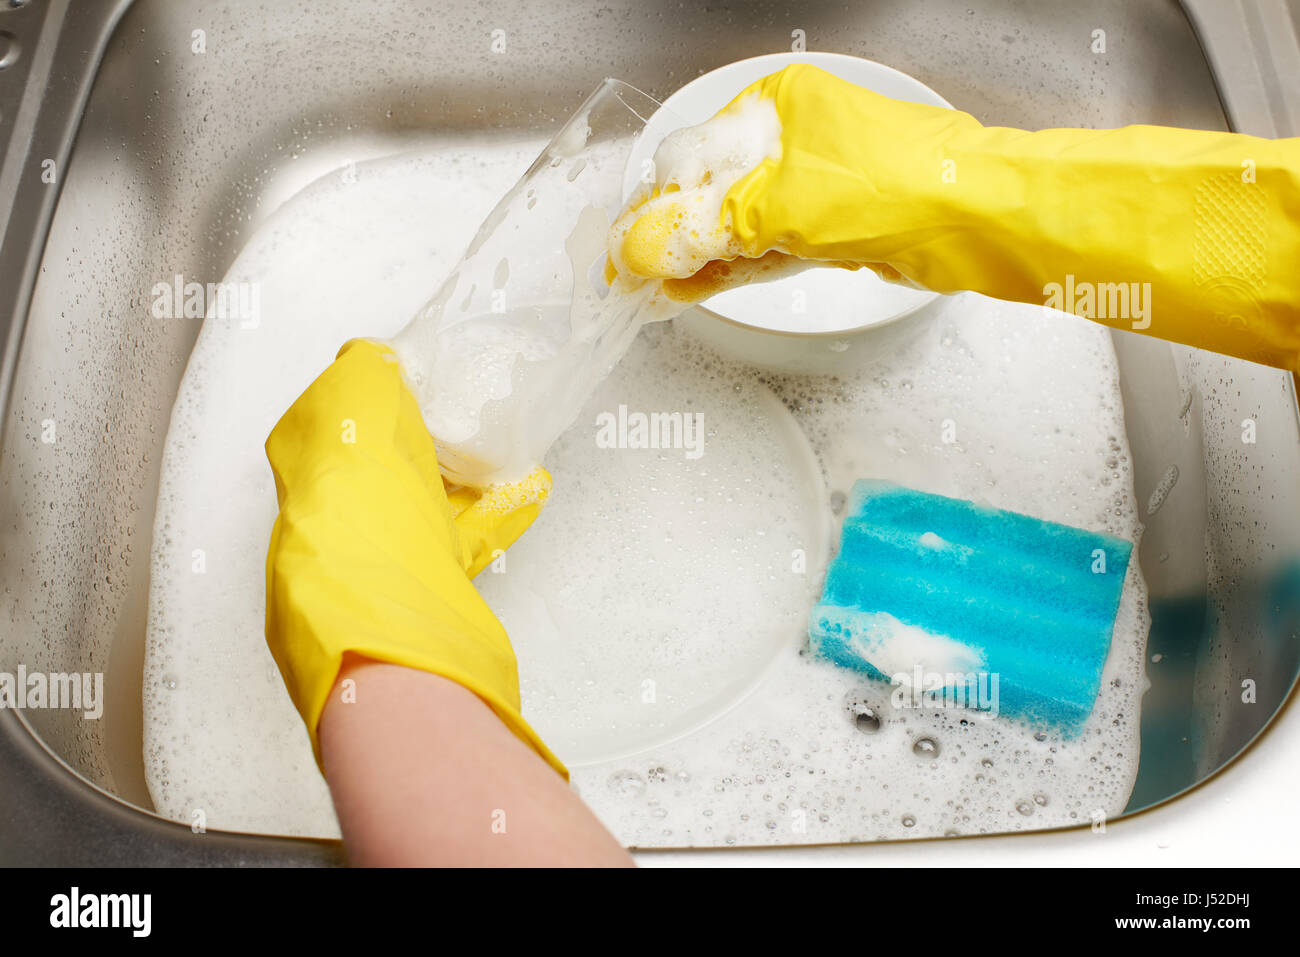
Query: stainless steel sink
(194, 120)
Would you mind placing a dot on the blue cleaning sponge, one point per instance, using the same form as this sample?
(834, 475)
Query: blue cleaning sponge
(975, 606)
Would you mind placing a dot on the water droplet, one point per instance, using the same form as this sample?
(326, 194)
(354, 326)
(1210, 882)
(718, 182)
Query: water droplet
(1162, 489)
(627, 782)
(926, 748)
(1025, 808)
(1040, 800)
(909, 821)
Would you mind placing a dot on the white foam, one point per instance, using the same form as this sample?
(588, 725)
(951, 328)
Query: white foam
(647, 565)
(893, 647)
(693, 169)
(1004, 404)
(931, 540)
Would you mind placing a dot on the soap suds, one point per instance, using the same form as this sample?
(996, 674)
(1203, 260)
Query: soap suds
(672, 226)
(894, 648)
(993, 402)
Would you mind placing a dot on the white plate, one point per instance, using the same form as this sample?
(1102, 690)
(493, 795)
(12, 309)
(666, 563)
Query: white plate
(835, 300)
(656, 590)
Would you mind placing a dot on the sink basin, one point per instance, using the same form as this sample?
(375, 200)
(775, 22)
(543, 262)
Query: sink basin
(193, 121)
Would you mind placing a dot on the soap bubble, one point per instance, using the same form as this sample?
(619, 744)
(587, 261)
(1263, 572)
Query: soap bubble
(867, 721)
(926, 748)
(627, 782)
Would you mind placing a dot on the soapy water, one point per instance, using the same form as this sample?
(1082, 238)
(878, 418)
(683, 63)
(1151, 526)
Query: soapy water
(999, 403)
(656, 591)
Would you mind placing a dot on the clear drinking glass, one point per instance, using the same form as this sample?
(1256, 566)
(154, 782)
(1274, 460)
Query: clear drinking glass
(503, 357)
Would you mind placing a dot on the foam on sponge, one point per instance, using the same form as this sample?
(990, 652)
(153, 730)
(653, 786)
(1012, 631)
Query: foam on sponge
(953, 593)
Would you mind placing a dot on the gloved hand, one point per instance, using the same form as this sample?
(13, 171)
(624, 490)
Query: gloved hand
(930, 197)
(372, 555)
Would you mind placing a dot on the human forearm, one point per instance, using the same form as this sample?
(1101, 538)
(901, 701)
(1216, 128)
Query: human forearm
(422, 772)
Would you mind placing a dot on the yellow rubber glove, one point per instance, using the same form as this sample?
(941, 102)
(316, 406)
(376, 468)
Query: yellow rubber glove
(1206, 224)
(372, 555)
